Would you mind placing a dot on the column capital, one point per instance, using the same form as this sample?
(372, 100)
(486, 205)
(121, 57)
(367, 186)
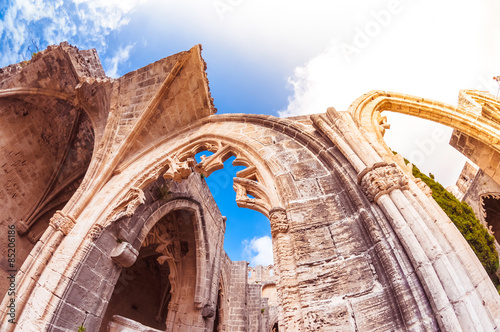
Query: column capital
(382, 180)
(279, 220)
(62, 222)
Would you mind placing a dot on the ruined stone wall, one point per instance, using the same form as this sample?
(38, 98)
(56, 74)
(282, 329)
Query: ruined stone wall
(478, 152)
(481, 189)
(263, 296)
(357, 243)
(46, 142)
(257, 309)
(99, 276)
(238, 311)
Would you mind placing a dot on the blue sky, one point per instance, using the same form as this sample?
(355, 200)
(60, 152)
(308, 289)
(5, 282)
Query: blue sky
(286, 58)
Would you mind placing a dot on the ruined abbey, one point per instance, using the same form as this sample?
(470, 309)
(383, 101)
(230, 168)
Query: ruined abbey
(108, 225)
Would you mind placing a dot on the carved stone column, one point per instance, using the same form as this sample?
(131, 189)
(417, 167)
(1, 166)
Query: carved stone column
(384, 185)
(285, 265)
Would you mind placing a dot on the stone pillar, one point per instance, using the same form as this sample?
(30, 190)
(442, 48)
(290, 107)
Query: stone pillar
(285, 265)
(448, 284)
(384, 185)
(60, 225)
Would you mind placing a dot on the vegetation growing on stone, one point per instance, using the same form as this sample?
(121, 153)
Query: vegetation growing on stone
(462, 215)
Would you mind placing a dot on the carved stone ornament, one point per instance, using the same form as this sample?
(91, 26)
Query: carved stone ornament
(179, 170)
(128, 204)
(279, 220)
(382, 124)
(95, 232)
(424, 187)
(382, 180)
(62, 222)
(124, 255)
(244, 187)
(208, 311)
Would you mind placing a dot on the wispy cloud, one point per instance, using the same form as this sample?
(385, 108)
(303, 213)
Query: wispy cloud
(28, 24)
(258, 251)
(121, 56)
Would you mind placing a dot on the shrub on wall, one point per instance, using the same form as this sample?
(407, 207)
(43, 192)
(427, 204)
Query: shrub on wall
(481, 242)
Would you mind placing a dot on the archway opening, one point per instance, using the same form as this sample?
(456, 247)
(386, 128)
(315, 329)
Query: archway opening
(161, 283)
(248, 232)
(491, 212)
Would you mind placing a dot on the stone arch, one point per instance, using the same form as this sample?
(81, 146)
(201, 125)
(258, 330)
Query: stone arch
(367, 108)
(316, 152)
(342, 195)
(170, 247)
(313, 173)
(116, 245)
(490, 209)
(355, 239)
(475, 117)
(355, 133)
(199, 234)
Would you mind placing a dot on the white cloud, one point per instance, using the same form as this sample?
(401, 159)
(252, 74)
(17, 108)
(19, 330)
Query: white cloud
(258, 251)
(28, 24)
(120, 57)
(412, 51)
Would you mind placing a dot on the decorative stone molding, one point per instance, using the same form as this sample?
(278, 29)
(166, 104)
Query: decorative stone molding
(382, 180)
(207, 145)
(128, 204)
(279, 220)
(62, 222)
(381, 122)
(179, 170)
(424, 187)
(21, 228)
(244, 187)
(95, 232)
(482, 204)
(32, 237)
(168, 247)
(124, 255)
(212, 163)
(208, 311)
(152, 175)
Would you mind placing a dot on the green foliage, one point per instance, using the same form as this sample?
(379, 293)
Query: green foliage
(81, 328)
(481, 242)
(262, 310)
